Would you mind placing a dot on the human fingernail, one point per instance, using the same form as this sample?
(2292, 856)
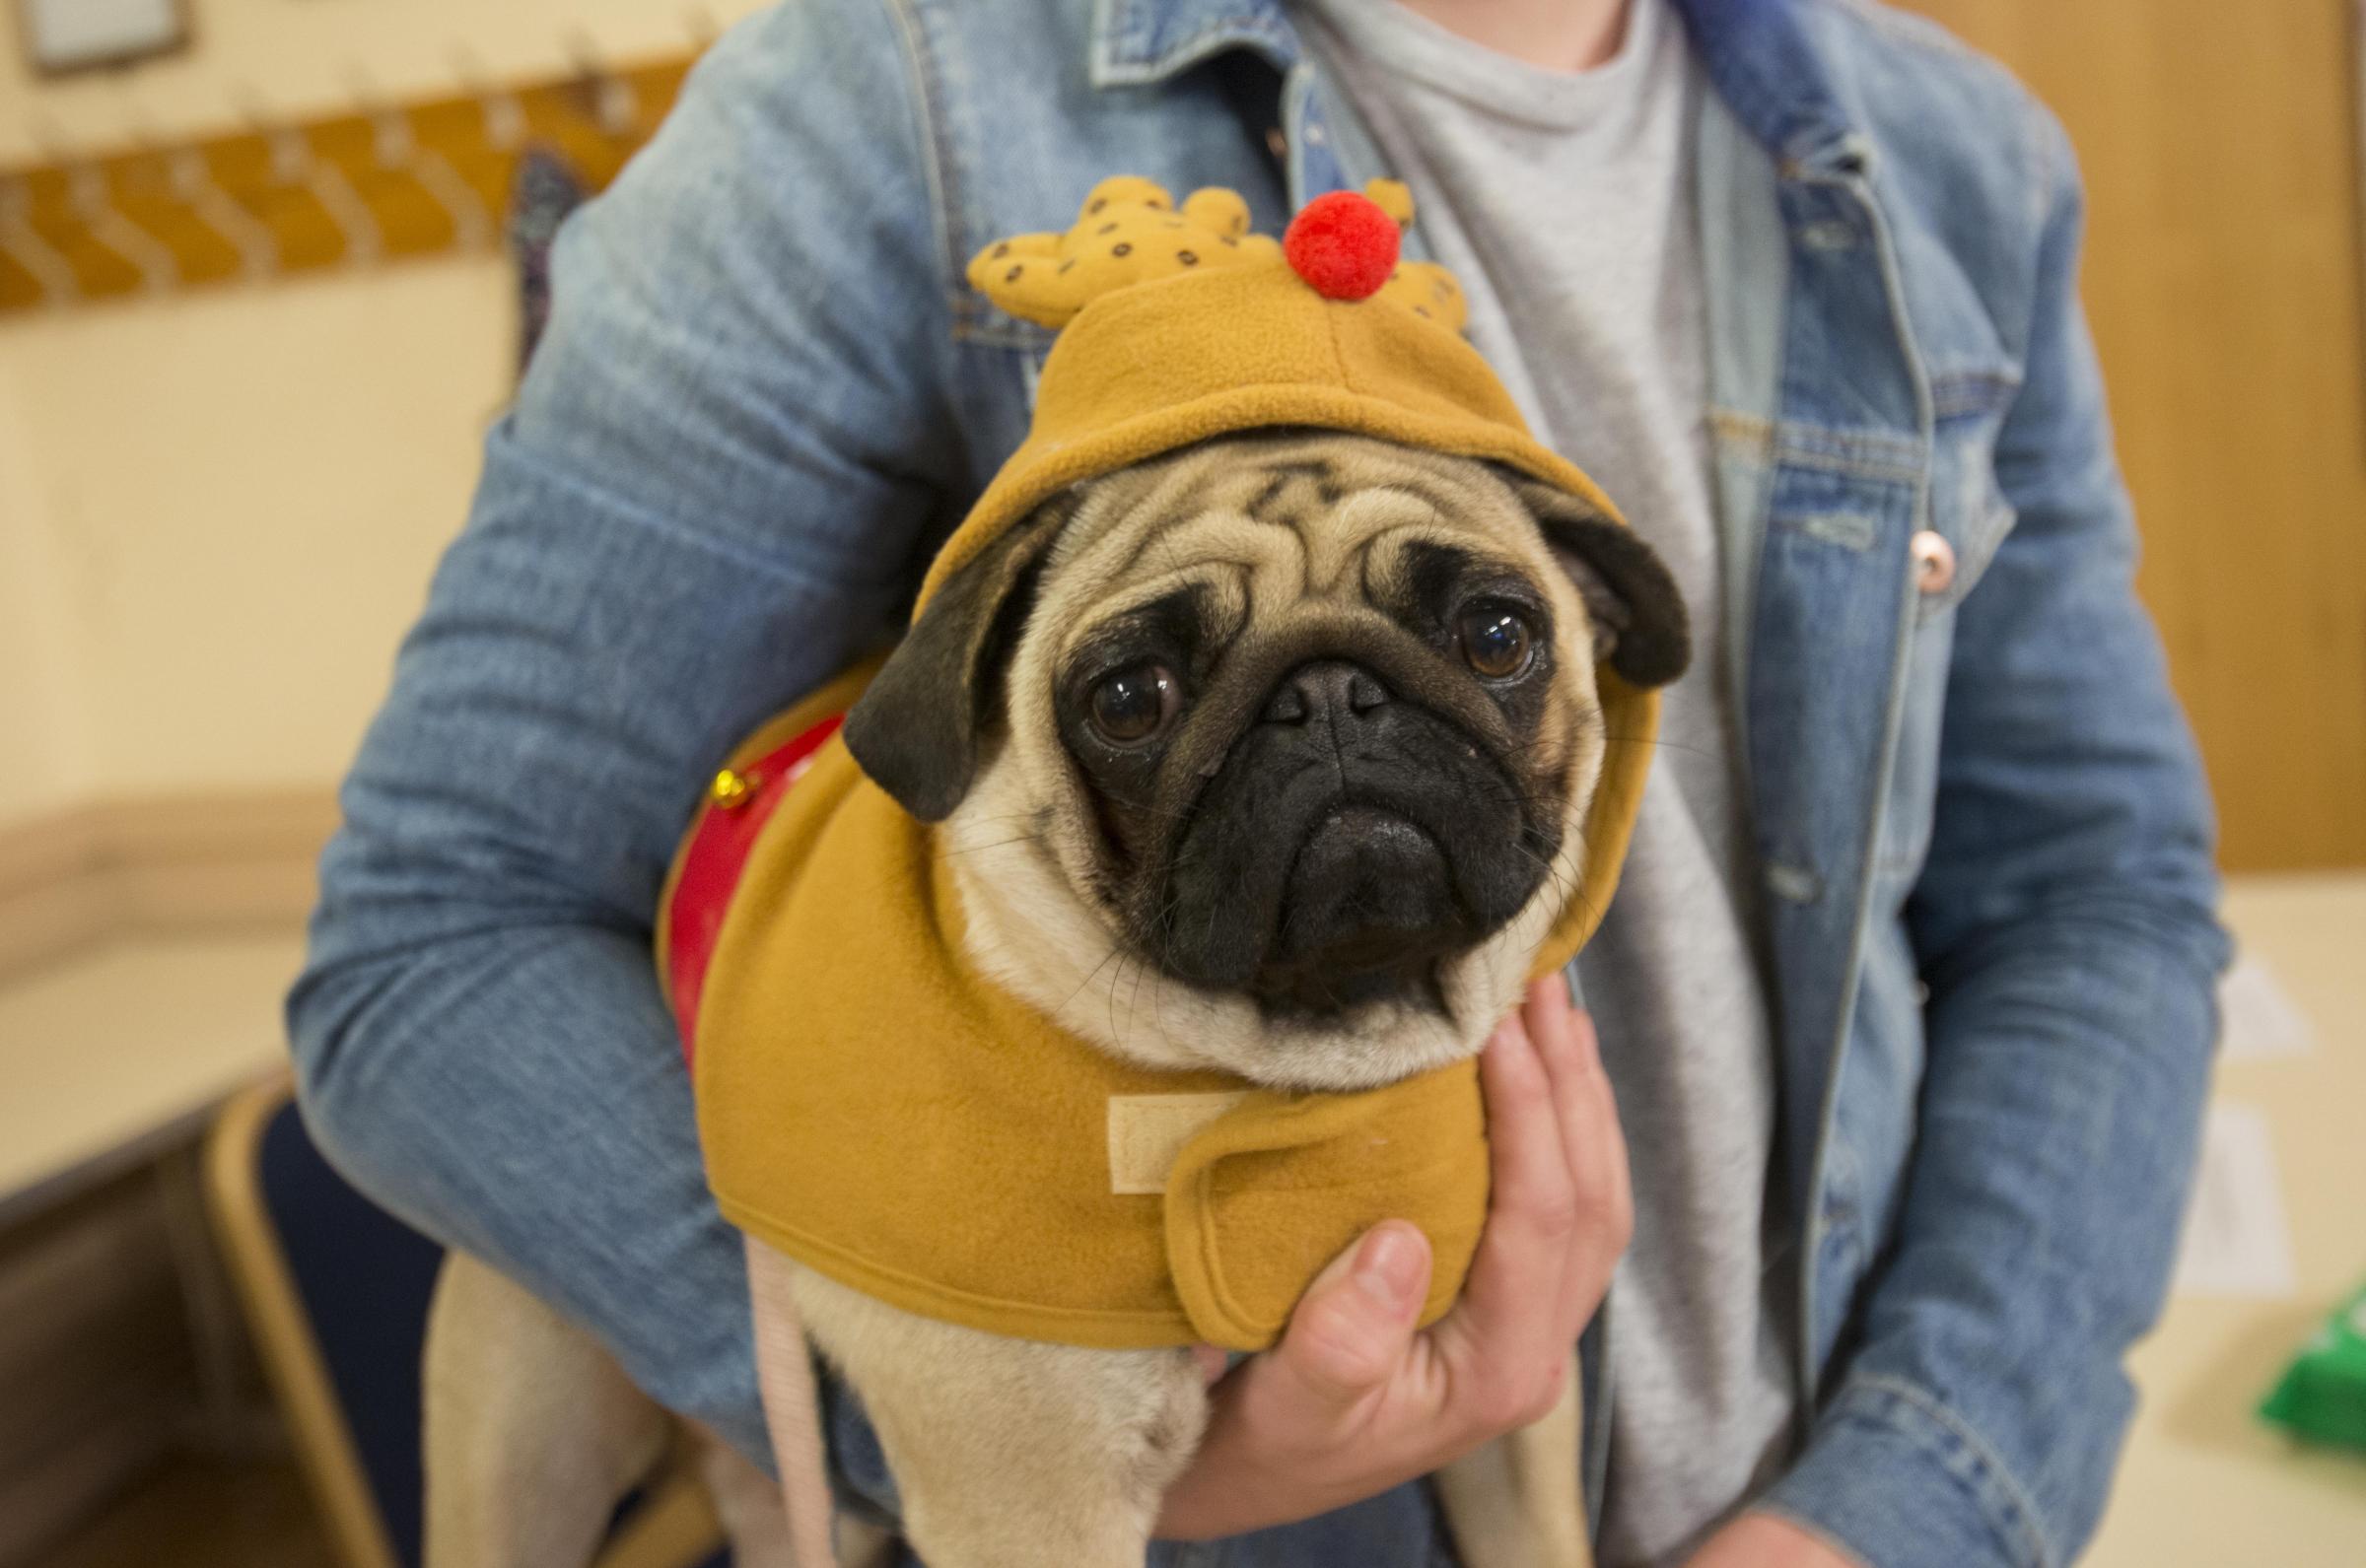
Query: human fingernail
(1389, 1266)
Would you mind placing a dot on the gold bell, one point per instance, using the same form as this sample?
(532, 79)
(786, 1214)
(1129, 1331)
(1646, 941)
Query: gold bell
(731, 789)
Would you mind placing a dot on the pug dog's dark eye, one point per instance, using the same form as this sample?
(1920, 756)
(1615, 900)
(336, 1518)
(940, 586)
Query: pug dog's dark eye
(1133, 705)
(1494, 641)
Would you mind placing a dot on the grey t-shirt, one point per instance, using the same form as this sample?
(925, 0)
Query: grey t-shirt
(1563, 202)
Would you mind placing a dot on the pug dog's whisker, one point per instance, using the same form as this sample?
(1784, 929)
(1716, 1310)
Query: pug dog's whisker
(1552, 869)
(1116, 980)
(1142, 972)
(1567, 877)
(1658, 744)
(981, 849)
(1086, 983)
(1158, 1010)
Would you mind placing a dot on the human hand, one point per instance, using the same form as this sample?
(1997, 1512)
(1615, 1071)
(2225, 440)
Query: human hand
(1769, 1540)
(1352, 1401)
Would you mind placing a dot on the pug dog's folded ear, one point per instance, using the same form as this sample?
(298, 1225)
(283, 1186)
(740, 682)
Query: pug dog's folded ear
(916, 730)
(1639, 621)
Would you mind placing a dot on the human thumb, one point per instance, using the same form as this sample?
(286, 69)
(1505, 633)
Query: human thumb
(1353, 1328)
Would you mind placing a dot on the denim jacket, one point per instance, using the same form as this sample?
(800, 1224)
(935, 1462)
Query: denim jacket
(765, 393)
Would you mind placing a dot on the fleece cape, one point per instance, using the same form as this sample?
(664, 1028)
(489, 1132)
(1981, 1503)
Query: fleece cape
(879, 1112)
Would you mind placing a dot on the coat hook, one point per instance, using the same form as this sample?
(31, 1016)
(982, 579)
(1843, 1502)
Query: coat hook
(295, 163)
(92, 199)
(400, 151)
(503, 115)
(24, 245)
(190, 178)
(193, 181)
(614, 104)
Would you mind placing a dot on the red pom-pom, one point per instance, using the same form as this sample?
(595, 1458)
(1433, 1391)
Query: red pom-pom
(1343, 244)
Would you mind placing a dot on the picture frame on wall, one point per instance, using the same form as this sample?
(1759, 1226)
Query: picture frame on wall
(62, 37)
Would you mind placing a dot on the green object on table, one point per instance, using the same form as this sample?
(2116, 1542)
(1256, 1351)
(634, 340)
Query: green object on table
(2322, 1396)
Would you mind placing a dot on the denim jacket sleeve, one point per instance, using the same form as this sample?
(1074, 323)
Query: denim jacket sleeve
(2064, 928)
(711, 494)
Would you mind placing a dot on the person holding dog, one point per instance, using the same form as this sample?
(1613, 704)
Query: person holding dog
(1906, 998)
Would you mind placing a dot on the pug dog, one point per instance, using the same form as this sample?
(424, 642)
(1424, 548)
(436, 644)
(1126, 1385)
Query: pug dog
(1300, 729)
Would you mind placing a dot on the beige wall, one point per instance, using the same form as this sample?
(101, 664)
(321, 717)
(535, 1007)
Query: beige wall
(228, 505)
(44, 756)
(300, 57)
(218, 510)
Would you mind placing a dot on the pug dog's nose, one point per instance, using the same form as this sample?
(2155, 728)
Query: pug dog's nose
(1320, 691)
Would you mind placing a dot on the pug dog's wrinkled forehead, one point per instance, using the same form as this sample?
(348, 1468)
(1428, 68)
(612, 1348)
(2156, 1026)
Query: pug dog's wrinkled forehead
(1316, 521)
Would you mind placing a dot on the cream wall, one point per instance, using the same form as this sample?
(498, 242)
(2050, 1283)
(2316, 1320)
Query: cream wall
(235, 500)
(218, 510)
(45, 752)
(300, 57)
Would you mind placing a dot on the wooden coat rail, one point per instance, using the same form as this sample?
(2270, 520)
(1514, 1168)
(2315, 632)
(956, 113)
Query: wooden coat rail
(370, 185)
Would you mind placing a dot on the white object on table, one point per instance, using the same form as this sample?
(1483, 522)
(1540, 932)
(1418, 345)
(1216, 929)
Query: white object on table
(2236, 1241)
(2258, 1016)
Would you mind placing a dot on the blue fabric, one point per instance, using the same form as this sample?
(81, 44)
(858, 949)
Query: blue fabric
(365, 1279)
(765, 392)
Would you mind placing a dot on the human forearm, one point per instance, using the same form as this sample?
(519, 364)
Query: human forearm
(702, 505)
(517, 1094)
(480, 1032)
(2067, 1064)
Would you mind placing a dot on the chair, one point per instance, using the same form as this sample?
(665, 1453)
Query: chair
(335, 1292)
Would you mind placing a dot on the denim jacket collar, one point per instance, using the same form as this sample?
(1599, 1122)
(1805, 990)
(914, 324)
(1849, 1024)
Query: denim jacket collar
(1778, 84)
(1755, 53)
(1142, 42)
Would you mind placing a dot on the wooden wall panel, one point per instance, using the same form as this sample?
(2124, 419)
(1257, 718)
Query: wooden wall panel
(2223, 277)
(408, 180)
(155, 863)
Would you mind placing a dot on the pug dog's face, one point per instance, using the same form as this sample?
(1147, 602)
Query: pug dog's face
(1272, 755)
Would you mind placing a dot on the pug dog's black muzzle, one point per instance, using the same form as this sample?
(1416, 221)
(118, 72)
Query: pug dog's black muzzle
(1360, 828)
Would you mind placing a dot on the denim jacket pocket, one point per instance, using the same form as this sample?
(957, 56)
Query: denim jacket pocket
(1967, 506)
(1968, 509)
